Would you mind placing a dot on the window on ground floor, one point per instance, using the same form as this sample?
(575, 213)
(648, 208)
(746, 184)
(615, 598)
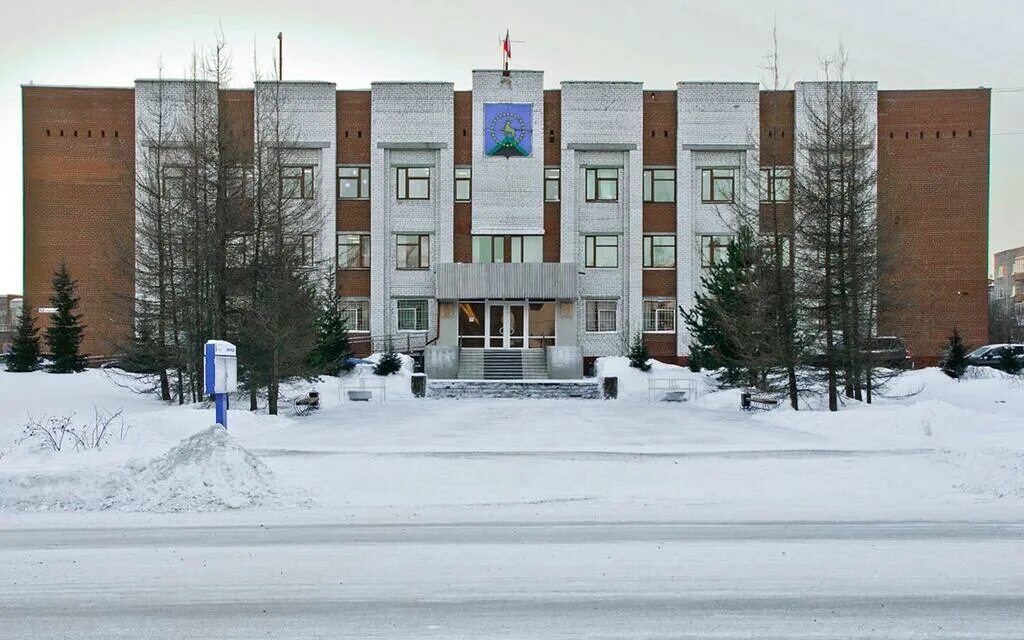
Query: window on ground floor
(356, 314)
(412, 315)
(659, 315)
(602, 316)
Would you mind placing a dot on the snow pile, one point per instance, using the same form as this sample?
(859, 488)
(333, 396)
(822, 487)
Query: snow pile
(398, 385)
(208, 471)
(634, 384)
(990, 473)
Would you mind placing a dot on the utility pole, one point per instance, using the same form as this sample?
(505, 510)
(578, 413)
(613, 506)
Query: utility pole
(280, 56)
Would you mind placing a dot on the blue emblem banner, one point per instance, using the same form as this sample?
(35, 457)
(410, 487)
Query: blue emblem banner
(508, 129)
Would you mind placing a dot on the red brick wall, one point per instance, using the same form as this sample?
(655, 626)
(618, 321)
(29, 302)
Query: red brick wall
(933, 170)
(353, 148)
(79, 160)
(659, 149)
(552, 128)
(777, 115)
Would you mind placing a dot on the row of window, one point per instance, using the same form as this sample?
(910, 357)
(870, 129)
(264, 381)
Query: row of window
(718, 185)
(601, 251)
(601, 316)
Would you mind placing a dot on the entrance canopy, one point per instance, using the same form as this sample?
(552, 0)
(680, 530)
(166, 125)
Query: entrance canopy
(507, 281)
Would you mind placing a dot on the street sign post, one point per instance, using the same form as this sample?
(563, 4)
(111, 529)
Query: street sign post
(220, 374)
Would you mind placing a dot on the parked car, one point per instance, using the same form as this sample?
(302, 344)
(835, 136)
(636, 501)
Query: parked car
(890, 352)
(991, 354)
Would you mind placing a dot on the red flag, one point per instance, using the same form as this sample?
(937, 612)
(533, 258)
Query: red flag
(508, 46)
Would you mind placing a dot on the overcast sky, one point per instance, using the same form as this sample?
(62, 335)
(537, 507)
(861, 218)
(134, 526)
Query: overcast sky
(899, 43)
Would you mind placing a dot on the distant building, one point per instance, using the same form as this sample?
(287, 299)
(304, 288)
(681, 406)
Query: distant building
(513, 216)
(1007, 296)
(10, 309)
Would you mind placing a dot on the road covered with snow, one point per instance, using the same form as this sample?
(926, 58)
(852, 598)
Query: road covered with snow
(545, 518)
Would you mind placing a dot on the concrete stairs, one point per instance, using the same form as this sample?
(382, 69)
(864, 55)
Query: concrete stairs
(515, 389)
(502, 364)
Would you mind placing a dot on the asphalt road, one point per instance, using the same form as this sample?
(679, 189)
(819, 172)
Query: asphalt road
(517, 580)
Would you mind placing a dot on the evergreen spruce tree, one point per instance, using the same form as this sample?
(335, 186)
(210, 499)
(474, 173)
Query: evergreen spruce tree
(720, 305)
(64, 335)
(1008, 362)
(638, 354)
(24, 354)
(332, 346)
(954, 360)
(389, 363)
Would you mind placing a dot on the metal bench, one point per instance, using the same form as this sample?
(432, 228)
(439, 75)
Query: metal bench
(307, 404)
(671, 389)
(750, 402)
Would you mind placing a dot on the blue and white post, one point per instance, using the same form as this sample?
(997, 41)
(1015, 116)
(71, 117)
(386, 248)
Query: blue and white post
(220, 373)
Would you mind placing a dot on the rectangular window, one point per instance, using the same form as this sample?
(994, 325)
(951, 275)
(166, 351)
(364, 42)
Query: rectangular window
(353, 251)
(236, 181)
(297, 183)
(717, 185)
(659, 315)
(413, 183)
(173, 183)
(776, 184)
(785, 244)
(601, 316)
(1018, 265)
(463, 184)
(413, 251)
(714, 249)
(602, 185)
(238, 252)
(552, 185)
(659, 185)
(356, 314)
(353, 183)
(602, 251)
(508, 249)
(659, 252)
(412, 315)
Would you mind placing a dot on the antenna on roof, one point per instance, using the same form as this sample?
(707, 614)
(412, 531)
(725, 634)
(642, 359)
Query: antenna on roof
(280, 56)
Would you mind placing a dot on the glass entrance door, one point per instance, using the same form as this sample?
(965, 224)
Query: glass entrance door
(506, 325)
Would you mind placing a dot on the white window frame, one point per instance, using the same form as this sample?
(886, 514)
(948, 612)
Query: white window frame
(599, 313)
(658, 314)
(363, 310)
(425, 317)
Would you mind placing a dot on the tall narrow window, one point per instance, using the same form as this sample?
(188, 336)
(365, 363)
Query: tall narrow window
(412, 315)
(413, 251)
(463, 184)
(714, 249)
(353, 183)
(552, 184)
(602, 185)
(659, 185)
(353, 251)
(413, 183)
(717, 186)
(659, 252)
(297, 183)
(776, 184)
(304, 246)
(602, 251)
(601, 316)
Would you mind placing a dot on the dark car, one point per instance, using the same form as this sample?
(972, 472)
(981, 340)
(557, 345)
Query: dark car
(991, 355)
(890, 352)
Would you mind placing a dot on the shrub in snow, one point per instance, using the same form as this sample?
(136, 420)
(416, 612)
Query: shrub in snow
(954, 360)
(389, 363)
(59, 432)
(64, 335)
(638, 354)
(1008, 362)
(24, 355)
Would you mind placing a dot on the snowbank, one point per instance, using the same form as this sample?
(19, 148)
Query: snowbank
(634, 383)
(208, 471)
(398, 385)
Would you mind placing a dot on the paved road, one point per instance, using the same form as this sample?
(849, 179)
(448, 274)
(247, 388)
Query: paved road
(517, 580)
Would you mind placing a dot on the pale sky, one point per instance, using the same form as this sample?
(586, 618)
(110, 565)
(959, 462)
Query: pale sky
(900, 43)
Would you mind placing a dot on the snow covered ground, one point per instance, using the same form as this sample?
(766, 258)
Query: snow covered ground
(543, 518)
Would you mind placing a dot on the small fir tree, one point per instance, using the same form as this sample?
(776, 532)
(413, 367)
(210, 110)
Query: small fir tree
(64, 335)
(389, 363)
(332, 345)
(954, 360)
(638, 354)
(1009, 362)
(24, 355)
